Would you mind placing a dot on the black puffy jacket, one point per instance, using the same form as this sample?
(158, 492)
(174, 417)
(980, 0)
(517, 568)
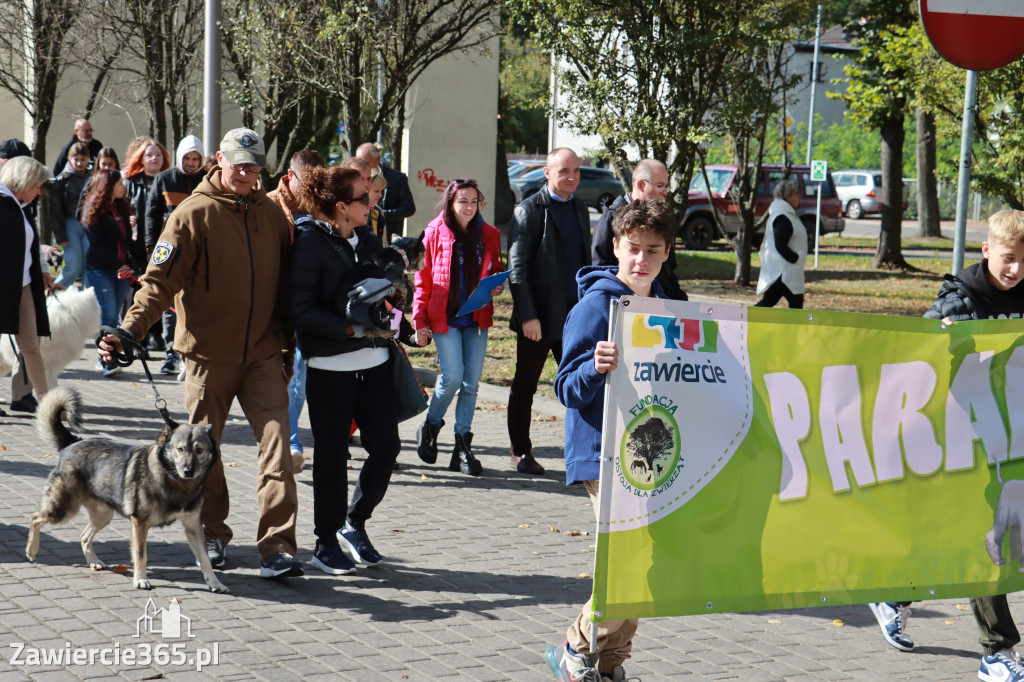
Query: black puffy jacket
(319, 278)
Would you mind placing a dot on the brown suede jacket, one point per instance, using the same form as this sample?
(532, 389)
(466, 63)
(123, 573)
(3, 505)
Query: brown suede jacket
(283, 197)
(221, 262)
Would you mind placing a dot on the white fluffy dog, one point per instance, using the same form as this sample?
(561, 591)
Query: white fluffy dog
(74, 317)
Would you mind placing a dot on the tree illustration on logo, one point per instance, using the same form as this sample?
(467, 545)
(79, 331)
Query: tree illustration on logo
(648, 443)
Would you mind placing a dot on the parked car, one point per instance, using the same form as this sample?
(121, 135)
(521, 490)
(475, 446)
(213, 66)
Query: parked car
(520, 166)
(598, 187)
(699, 228)
(861, 191)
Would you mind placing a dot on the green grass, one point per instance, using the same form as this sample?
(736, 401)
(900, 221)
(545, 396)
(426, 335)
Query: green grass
(841, 282)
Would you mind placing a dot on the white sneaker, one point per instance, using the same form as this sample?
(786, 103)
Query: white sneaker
(570, 666)
(892, 618)
(1003, 666)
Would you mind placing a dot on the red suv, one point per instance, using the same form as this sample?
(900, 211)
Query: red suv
(699, 228)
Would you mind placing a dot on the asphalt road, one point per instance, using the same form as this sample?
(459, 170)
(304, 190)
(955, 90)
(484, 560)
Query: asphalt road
(869, 227)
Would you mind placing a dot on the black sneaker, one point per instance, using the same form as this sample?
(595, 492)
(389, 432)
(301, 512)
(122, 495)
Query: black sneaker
(331, 560)
(26, 404)
(357, 545)
(217, 551)
(280, 565)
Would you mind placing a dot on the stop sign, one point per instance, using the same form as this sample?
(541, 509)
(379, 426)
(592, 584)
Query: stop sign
(975, 34)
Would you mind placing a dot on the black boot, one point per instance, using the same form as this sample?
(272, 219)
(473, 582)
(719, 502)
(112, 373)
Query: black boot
(462, 457)
(426, 441)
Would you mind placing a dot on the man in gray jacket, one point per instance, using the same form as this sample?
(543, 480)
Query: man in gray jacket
(548, 242)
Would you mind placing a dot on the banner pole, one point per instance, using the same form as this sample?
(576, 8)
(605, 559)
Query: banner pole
(607, 458)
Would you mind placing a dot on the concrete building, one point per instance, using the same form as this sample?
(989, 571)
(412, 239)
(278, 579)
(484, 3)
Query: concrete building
(451, 130)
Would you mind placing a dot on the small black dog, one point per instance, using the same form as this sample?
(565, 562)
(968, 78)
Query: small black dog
(403, 256)
(392, 265)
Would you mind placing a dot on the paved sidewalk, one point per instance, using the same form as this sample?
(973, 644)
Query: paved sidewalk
(481, 576)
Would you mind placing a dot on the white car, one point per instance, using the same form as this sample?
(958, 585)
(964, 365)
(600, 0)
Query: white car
(859, 190)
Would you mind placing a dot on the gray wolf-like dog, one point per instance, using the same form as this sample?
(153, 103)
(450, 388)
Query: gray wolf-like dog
(153, 485)
(74, 317)
(1009, 517)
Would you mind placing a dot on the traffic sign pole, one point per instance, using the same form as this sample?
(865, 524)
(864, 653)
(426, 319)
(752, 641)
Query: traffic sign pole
(977, 35)
(817, 226)
(819, 174)
(964, 184)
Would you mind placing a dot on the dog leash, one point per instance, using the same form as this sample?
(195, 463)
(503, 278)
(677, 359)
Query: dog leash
(132, 350)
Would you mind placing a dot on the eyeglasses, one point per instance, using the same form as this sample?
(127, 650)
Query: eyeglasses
(250, 168)
(363, 198)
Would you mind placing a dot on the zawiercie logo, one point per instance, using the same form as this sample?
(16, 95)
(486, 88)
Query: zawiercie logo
(659, 331)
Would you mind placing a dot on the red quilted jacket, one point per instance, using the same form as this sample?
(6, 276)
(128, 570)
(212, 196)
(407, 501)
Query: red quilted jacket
(430, 304)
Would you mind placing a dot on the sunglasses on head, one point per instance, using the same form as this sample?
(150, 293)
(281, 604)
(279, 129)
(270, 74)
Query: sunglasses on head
(363, 198)
(459, 183)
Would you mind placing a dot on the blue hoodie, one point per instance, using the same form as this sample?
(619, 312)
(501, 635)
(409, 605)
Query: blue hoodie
(578, 385)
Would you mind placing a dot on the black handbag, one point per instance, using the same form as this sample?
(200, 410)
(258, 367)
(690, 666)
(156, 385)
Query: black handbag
(410, 395)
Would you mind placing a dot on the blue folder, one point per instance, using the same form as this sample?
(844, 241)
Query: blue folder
(481, 296)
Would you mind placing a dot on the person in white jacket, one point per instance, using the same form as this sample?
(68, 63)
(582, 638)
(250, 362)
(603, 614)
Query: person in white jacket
(783, 250)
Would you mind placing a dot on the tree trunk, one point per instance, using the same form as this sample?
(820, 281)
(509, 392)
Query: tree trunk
(927, 187)
(741, 247)
(399, 138)
(890, 251)
(504, 199)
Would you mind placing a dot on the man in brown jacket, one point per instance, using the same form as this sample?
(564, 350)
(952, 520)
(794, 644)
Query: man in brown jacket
(284, 196)
(220, 261)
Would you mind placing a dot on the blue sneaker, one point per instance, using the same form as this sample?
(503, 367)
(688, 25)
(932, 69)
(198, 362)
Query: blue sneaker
(1003, 666)
(331, 560)
(892, 617)
(357, 545)
(569, 665)
(280, 565)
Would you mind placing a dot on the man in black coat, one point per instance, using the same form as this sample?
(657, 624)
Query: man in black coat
(650, 181)
(83, 134)
(396, 204)
(548, 242)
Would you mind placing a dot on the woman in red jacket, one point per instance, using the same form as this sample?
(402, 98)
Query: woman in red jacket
(461, 249)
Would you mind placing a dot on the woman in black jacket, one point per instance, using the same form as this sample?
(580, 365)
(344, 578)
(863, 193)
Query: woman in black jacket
(22, 280)
(113, 253)
(348, 374)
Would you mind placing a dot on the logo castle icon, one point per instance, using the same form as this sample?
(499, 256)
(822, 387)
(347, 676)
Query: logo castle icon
(165, 622)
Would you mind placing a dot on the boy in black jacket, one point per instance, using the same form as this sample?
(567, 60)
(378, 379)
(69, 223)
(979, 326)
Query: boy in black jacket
(986, 290)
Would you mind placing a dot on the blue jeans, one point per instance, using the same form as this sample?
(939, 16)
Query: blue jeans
(461, 354)
(74, 253)
(296, 398)
(110, 292)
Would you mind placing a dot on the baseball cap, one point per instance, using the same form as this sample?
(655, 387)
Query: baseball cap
(13, 148)
(243, 145)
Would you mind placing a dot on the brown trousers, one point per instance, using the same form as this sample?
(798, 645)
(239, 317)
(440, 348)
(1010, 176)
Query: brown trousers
(260, 387)
(614, 637)
(28, 345)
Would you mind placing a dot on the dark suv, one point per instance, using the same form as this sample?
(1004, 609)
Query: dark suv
(699, 228)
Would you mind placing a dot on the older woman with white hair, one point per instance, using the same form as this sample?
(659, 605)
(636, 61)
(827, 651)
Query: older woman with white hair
(783, 250)
(22, 280)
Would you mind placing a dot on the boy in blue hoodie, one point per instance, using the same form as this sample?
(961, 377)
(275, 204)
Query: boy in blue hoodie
(643, 231)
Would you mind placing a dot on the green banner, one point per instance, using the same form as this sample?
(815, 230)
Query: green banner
(759, 458)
